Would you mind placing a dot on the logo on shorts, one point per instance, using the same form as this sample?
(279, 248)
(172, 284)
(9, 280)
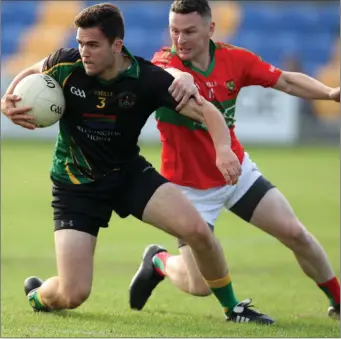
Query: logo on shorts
(66, 223)
(126, 100)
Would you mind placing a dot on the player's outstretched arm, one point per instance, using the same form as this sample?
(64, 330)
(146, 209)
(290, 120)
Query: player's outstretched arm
(208, 114)
(18, 115)
(306, 87)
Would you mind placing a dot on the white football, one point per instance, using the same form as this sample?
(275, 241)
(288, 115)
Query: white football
(44, 95)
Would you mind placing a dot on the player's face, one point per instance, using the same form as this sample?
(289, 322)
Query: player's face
(98, 54)
(190, 34)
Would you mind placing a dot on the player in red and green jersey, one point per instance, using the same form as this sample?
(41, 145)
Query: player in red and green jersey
(219, 71)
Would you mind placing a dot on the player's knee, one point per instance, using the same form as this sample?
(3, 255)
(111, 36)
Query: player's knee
(75, 297)
(198, 235)
(297, 235)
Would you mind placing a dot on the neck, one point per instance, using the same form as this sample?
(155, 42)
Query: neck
(121, 63)
(203, 60)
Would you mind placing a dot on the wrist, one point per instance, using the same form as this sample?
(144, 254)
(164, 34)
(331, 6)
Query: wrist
(222, 147)
(330, 93)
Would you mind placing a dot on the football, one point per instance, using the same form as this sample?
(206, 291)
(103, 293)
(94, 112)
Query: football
(44, 95)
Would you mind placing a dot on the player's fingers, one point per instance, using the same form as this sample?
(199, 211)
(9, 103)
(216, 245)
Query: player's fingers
(239, 170)
(226, 175)
(175, 92)
(233, 178)
(234, 181)
(237, 174)
(25, 124)
(18, 110)
(21, 117)
(235, 168)
(172, 86)
(182, 94)
(238, 167)
(183, 102)
(234, 174)
(12, 97)
(198, 98)
(175, 86)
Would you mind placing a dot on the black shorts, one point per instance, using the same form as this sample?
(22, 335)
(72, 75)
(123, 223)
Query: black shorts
(87, 207)
(247, 204)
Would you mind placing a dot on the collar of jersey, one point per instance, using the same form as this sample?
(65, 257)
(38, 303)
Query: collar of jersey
(133, 71)
(211, 65)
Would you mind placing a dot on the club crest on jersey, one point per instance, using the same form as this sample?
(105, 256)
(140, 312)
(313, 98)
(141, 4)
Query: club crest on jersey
(126, 100)
(230, 85)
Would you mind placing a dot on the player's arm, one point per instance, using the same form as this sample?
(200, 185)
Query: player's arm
(226, 161)
(255, 71)
(207, 113)
(18, 115)
(34, 69)
(306, 87)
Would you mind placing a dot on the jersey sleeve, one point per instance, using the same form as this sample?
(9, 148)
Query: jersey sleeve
(58, 65)
(165, 58)
(255, 71)
(162, 58)
(159, 82)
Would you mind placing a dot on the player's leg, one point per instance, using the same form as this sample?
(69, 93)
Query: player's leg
(164, 206)
(78, 217)
(72, 286)
(182, 269)
(275, 216)
(265, 207)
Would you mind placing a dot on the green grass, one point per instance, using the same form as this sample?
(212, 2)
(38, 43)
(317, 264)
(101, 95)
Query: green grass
(260, 266)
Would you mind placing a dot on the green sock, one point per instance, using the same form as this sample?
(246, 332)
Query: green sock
(223, 291)
(35, 301)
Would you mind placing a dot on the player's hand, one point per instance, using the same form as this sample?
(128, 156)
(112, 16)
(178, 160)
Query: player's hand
(335, 94)
(16, 114)
(183, 88)
(228, 164)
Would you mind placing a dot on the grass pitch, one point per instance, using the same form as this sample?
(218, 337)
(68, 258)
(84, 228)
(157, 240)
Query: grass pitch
(261, 268)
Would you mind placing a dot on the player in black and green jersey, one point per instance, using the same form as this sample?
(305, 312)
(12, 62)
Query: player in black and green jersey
(97, 167)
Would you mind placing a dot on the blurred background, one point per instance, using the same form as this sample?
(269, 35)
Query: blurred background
(294, 35)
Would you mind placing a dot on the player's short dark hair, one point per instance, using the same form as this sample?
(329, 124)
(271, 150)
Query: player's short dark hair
(106, 16)
(189, 6)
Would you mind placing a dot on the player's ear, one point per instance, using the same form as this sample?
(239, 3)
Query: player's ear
(117, 45)
(212, 28)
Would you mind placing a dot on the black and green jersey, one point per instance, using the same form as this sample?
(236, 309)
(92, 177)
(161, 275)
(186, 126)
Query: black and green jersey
(99, 130)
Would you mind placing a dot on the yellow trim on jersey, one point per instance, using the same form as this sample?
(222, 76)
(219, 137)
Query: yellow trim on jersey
(73, 179)
(66, 79)
(61, 64)
(80, 151)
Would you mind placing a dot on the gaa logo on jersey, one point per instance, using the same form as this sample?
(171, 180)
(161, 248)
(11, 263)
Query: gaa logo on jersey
(126, 100)
(230, 85)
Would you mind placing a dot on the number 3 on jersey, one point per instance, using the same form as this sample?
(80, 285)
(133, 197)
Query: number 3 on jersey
(102, 102)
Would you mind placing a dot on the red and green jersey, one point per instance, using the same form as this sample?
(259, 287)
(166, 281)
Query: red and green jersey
(188, 155)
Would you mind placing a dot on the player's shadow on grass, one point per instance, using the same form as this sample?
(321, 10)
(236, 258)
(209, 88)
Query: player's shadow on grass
(280, 325)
